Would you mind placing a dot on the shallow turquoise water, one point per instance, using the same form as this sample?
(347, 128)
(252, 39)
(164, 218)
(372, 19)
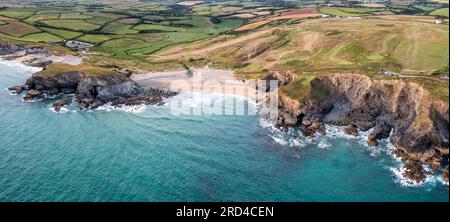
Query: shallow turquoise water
(155, 156)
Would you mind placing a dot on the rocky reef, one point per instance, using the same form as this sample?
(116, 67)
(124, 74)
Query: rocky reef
(91, 91)
(416, 124)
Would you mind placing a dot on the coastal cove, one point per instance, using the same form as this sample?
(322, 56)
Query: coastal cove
(151, 155)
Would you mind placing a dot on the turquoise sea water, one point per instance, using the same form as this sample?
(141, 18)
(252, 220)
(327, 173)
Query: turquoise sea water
(155, 156)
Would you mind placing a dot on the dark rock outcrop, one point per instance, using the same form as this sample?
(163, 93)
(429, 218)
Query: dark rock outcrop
(380, 131)
(417, 124)
(93, 91)
(289, 113)
(445, 174)
(33, 94)
(351, 130)
(60, 104)
(17, 89)
(10, 51)
(66, 82)
(372, 142)
(312, 126)
(414, 171)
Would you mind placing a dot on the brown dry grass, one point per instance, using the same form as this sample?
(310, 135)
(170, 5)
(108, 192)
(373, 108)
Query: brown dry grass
(3, 18)
(244, 16)
(128, 21)
(17, 29)
(189, 3)
(302, 11)
(219, 45)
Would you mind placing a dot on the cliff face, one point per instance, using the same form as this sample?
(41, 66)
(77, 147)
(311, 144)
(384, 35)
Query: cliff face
(91, 91)
(417, 124)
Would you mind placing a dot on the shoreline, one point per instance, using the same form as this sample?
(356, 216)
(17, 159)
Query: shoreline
(292, 165)
(36, 57)
(293, 139)
(161, 80)
(207, 76)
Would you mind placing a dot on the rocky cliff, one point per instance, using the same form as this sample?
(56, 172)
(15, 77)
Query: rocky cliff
(91, 91)
(403, 111)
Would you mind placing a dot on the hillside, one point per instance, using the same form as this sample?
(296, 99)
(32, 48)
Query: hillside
(413, 47)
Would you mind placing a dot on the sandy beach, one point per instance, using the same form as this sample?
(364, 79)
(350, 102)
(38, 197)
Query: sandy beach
(205, 80)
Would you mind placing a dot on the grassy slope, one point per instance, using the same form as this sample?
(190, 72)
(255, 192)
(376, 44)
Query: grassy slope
(319, 47)
(440, 12)
(55, 69)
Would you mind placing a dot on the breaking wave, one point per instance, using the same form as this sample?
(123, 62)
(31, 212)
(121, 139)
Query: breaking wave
(293, 138)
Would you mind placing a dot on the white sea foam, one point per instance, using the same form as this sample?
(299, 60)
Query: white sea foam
(184, 102)
(323, 144)
(290, 138)
(62, 110)
(32, 100)
(123, 108)
(430, 179)
(18, 65)
(12, 93)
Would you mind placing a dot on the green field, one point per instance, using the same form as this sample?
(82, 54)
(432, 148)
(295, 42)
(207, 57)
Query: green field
(39, 17)
(41, 37)
(158, 28)
(440, 12)
(348, 12)
(121, 31)
(75, 25)
(62, 33)
(19, 13)
(74, 16)
(99, 20)
(118, 47)
(94, 38)
(118, 28)
(104, 15)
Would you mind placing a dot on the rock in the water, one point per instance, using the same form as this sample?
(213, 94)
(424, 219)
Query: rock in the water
(414, 171)
(372, 142)
(401, 154)
(310, 128)
(16, 89)
(61, 103)
(33, 94)
(380, 131)
(93, 91)
(351, 130)
(445, 174)
(103, 89)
